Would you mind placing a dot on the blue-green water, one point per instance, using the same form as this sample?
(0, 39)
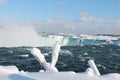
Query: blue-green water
(71, 58)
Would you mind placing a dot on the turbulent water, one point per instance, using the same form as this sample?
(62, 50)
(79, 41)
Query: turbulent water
(71, 58)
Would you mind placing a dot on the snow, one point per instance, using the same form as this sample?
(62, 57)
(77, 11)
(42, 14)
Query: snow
(12, 73)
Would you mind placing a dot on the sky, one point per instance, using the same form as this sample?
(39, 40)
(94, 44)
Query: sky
(62, 16)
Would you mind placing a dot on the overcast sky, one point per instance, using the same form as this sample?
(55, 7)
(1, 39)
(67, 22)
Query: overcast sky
(62, 16)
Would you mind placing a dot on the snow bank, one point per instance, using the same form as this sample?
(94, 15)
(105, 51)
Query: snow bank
(12, 73)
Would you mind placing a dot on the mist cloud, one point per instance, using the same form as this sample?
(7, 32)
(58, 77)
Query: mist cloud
(13, 34)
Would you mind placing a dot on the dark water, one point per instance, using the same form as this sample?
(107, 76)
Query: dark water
(71, 58)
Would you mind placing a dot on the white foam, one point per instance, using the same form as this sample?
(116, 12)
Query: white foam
(25, 56)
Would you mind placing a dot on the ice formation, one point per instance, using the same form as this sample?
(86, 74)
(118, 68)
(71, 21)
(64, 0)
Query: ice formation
(93, 67)
(49, 67)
